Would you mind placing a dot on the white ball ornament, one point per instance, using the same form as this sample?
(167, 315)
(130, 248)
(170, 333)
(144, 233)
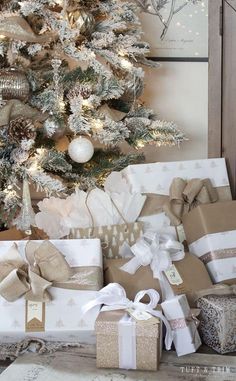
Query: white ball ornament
(80, 150)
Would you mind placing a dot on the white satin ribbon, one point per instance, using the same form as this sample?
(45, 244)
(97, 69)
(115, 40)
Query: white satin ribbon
(157, 251)
(127, 343)
(113, 297)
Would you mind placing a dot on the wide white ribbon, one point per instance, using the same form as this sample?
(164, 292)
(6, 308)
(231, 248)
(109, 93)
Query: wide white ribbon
(157, 251)
(127, 343)
(113, 297)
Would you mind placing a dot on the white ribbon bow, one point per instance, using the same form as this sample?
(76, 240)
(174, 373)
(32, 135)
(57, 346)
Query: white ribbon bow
(113, 296)
(158, 251)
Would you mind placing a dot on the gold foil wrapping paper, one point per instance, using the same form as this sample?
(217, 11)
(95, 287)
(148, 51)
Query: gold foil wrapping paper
(148, 342)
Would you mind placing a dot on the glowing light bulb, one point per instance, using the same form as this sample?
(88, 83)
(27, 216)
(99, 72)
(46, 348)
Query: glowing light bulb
(97, 124)
(126, 64)
(140, 144)
(86, 103)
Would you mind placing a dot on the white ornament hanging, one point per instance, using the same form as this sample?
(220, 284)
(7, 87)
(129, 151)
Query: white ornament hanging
(81, 150)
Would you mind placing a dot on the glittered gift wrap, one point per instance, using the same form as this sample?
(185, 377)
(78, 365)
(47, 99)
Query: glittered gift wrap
(123, 342)
(218, 322)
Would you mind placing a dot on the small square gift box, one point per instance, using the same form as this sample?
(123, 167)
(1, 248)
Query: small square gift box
(218, 318)
(43, 286)
(211, 235)
(159, 252)
(129, 334)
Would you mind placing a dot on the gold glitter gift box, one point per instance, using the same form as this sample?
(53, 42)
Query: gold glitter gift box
(126, 343)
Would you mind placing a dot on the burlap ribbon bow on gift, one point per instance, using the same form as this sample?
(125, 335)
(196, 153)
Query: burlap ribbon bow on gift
(186, 195)
(45, 265)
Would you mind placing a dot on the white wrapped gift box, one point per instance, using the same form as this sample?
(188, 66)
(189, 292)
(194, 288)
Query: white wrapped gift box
(63, 316)
(157, 177)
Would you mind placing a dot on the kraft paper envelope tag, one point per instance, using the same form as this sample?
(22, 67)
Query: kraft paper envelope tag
(142, 316)
(35, 317)
(181, 233)
(173, 276)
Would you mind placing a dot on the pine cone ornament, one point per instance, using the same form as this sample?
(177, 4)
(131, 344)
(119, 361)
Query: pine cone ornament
(21, 129)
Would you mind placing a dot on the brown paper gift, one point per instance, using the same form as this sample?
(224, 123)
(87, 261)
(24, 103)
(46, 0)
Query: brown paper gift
(16, 235)
(148, 341)
(191, 270)
(211, 235)
(184, 196)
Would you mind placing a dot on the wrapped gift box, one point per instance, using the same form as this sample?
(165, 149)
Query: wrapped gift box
(192, 271)
(211, 234)
(183, 323)
(123, 342)
(218, 322)
(63, 319)
(155, 180)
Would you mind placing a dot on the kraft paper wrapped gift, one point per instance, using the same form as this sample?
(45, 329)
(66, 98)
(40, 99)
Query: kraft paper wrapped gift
(58, 319)
(218, 322)
(191, 269)
(183, 323)
(211, 235)
(146, 337)
(155, 179)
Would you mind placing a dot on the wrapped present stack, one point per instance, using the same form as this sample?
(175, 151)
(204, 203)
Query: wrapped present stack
(164, 235)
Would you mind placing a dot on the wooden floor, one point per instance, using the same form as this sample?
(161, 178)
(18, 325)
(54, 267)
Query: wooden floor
(71, 366)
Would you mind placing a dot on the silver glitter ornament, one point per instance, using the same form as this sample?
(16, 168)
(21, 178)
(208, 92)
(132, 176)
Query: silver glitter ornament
(14, 85)
(26, 217)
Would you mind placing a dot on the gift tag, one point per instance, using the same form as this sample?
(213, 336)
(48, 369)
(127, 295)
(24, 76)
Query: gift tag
(173, 276)
(35, 317)
(181, 233)
(142, 316)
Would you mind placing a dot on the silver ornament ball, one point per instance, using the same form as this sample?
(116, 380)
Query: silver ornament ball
(80, 150)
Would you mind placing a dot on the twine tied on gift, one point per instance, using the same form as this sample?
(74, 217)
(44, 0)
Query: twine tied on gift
(181, 323)
(186, 195)
(113, 297)
(157, 251)
(33, 278)
(218, 290)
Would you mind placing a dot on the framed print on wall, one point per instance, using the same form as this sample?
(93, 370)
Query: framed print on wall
(177, 30)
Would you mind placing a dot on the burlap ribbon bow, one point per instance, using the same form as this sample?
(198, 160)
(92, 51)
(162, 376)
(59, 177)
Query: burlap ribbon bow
(45, 265)
(186, 195)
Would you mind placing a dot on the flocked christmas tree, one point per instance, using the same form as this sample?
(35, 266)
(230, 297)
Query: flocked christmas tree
(71, 74)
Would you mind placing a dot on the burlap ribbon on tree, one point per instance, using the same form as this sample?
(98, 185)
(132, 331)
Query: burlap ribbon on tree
(16, 27)
(186, 195)
(45, 265)
(15, 108)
